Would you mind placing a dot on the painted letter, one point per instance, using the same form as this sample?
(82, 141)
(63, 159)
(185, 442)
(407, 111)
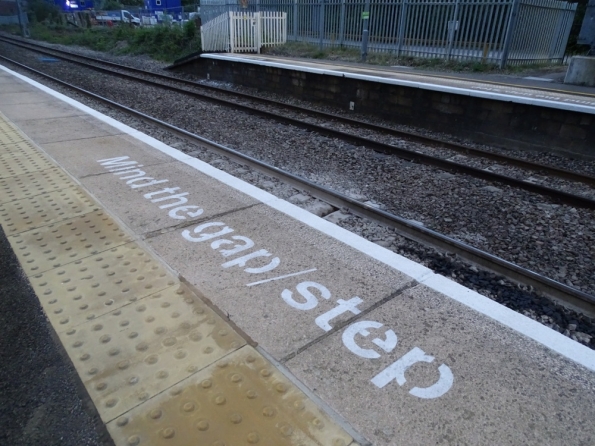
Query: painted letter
(397, 370)
(174, 212)
(361, 328)
(149, 183)
(241, 261)
(236, 249)
(311, 300)
(186, 233)
(344, 305)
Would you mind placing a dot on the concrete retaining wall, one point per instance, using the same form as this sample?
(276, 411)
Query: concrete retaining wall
(505, 124)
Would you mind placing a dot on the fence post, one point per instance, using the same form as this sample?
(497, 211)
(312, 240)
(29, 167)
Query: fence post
(321, 24)
(556, 36)
(295, 19)
(257, 31)
(342, 24)
(514, 12)
(366, 31)
(402, 21)
(452, 28)
(231, 32)
(22, 24)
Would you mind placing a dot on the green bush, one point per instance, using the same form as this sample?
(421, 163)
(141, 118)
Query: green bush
(161, 42)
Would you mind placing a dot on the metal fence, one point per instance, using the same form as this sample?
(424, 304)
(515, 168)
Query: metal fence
(491, 31)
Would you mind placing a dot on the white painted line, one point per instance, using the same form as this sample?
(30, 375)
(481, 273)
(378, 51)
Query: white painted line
(283, 277)
(540, 79)
(414, 84)
(522, 324)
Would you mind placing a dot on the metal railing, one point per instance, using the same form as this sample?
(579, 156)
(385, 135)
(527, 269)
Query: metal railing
(491, 31)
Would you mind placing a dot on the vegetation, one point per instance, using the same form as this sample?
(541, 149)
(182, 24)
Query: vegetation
(310, 51)
(161, 42)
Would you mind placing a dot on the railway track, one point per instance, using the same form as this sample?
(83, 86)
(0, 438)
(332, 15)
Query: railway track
(562, 293)
(271, 110)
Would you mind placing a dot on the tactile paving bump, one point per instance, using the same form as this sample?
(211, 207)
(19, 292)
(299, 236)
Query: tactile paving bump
(8, 134)
(240, 400)
(28, 213)
(61, 243)
(31, 184)
(131, 354)
(17, 162)
(20, 148)
(88, 288)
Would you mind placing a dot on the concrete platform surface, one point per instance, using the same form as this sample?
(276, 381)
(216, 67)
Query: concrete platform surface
(194, 306)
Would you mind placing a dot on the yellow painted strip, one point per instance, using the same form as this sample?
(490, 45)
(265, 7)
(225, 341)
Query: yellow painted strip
(160, 365)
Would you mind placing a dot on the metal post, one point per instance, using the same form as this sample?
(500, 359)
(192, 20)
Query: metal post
(295, 19)
(514, 12)
(23, 26)
(321, 24)
(453, 25)
(402, 22)
(366, 32)
(342, 24)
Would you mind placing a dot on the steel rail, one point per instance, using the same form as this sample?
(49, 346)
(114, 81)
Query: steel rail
(428, 140)
(559, 292)
(410, 155)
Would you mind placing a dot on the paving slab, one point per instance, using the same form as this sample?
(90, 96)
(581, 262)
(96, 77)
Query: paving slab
(68, 128)
(506, 389)
(96, 155)
(21, 97)
(182, 195)
(330, 272)
(40, 110)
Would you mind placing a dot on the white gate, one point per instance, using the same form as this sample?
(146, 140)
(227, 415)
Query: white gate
(238, 32)
(214, 35)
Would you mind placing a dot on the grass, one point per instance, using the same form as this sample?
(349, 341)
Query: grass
(310, 51)
(161, 42)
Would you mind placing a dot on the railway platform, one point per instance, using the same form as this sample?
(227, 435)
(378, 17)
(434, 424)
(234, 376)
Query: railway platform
(199, 309)
(522, 90)
(517, 114)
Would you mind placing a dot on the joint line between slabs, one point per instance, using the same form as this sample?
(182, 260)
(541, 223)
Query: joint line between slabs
(186, 224)
(343, 324)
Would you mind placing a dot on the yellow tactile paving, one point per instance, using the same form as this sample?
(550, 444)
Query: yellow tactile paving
(64, 242)
(31, 184)
(20, 148)
(17, 163)
(143, 348)
(239, 400)
(88, 288)
(8, 133)
(159, 364)
(41, 210)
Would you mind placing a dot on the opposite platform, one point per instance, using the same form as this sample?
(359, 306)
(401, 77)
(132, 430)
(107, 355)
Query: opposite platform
(487, 112)
(405, 356)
